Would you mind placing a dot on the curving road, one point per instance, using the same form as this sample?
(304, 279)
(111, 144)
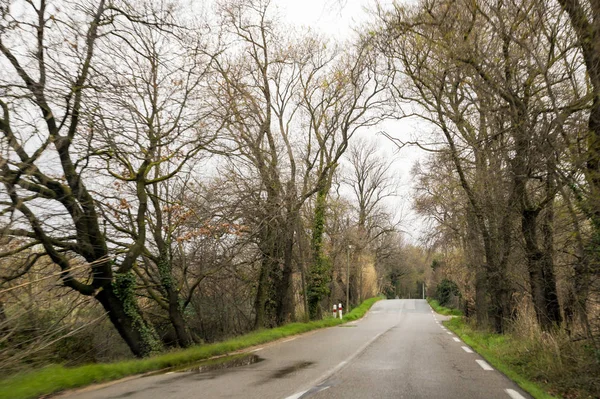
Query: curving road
(398, 350)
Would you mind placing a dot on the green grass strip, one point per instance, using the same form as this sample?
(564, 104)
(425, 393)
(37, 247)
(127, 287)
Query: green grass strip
(443, 310)
(496, 349)
(56, 378)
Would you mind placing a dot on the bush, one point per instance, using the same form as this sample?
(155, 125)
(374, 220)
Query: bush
(446, 291)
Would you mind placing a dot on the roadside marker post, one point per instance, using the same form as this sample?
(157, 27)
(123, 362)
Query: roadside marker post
(334, 311)
(340, 308)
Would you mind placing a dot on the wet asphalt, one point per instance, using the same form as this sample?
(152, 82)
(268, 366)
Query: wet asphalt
(398, 350)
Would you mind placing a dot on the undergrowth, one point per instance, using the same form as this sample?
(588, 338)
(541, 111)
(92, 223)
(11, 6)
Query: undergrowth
(544, 365)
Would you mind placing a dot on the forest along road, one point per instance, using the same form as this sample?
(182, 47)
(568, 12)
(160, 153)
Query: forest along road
(398, 350)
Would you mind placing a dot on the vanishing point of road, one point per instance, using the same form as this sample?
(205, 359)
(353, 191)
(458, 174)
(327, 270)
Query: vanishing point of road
(399, 349)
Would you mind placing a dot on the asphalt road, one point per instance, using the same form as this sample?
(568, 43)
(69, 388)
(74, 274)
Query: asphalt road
(398, 350)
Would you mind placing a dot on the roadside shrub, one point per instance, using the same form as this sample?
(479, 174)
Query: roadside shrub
(446, 291)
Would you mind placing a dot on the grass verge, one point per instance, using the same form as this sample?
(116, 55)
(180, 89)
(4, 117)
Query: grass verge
(443, 310)
(56, 378)
(506, 354)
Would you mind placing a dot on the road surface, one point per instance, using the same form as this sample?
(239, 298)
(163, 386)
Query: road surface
(398, 350)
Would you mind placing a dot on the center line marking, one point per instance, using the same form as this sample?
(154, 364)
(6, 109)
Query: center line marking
(456, 339)
(484, 365)
(467, 349)
(297, 395)
(514, 394)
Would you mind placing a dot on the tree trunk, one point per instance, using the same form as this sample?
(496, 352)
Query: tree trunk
(534, 266)
(284, 297)
(475, 256)
(125, 316)
(550, 290)
(262, 291)
(541, 274)
(319, 272)
(184, 338)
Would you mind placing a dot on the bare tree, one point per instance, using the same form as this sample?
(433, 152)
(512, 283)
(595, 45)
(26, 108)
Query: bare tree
(290, 106)
(54, 73)
(488, 92)
(154, 96)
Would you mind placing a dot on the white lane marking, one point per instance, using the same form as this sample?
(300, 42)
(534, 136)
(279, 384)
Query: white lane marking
(337, 368)
(484, 365)
(456, 339)
(257, 349)
(514, 394)
(170, 372)
(467, 349)
(297, 395)
(448, 332)
(324, 388)
(288, 340)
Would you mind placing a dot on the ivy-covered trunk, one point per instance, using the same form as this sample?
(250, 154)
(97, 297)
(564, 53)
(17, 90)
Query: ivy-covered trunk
(119, 301)
(319, 272)
(171, 294)
(184, 338)
(270, 274)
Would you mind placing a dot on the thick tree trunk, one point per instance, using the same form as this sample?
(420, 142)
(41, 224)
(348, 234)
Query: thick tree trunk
(129, 323)
(319, 272)
(481, 299)
(262, 291)
(550, 290)
(534, 267)
(184, 338)
(284, 297)
(541, 274)
(475, 256)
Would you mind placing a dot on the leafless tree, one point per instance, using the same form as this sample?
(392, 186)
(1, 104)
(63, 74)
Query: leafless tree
(291, 106)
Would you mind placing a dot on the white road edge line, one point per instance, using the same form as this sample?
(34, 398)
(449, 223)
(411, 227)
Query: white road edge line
(484, 365)
(514, 394)
(257, 349)
(456, 339)
(448, 332)
(288, 340)
(467, 349)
